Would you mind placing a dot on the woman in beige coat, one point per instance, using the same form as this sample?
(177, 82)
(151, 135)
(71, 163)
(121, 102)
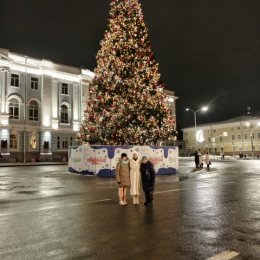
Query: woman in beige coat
(123, 178)
(135, 178)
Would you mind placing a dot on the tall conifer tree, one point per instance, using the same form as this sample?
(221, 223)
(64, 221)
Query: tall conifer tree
(127, 104)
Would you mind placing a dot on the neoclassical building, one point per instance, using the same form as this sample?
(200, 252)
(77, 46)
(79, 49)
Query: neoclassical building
(41, 107)
(233, 136)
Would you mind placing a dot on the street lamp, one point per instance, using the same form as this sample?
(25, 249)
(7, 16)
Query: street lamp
(203, 109)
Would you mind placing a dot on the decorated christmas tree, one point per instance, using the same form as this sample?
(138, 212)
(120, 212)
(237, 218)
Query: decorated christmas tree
(127, 104)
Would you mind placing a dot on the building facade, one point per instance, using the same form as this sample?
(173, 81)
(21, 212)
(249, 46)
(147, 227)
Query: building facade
(41, 107)
(235, 136)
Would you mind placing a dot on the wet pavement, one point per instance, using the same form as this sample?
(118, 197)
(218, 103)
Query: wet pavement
(46, 213)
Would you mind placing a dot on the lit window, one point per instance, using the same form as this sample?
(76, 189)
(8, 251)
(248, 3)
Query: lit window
(34, 83)
(15, 80)
(33, 111)
(14, 109)
(13, 141)
(64, 89)
(33, 141)
(64, 114)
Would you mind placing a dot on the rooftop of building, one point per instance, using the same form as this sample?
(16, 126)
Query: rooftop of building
(20, 62)
(238, 119)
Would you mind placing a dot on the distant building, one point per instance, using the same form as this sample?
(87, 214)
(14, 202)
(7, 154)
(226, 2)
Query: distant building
(234, 136)
(41, 107)
(171, 100)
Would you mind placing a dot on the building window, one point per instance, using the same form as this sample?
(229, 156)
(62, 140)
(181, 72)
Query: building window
(253, 136)
(64, 89)
(245, 136)
(13, 142)
(258, 135)
(14, 109)
(233, 138)
(15, 80)
(33, 111)
(71, 141)
(221, 138)
(65, 144)
(58, 142)
(46, 145)
(64, 114)
(238, 128)
(4, 144)
(34, 83)
(239, 137)
(214, 130)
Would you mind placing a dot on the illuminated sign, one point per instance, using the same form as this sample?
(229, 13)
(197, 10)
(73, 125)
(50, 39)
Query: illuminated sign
(200, 136)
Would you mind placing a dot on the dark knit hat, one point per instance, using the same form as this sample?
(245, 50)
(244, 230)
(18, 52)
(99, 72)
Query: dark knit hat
(123, 155)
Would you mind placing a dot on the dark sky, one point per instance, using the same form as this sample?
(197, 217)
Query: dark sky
(208, 50)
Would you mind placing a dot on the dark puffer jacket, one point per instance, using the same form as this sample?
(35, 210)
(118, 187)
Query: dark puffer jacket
(148, 176)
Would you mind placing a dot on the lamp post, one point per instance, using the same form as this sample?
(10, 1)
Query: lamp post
(203, 109)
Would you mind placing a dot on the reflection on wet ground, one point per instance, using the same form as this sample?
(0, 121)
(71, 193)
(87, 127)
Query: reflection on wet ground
(46, 213)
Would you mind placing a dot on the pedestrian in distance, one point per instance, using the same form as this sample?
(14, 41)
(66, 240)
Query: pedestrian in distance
(123, 178)
(207, 161)
(197, 159)
(148, 179)
(135, 178)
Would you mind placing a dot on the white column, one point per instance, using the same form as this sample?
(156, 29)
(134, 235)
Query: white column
(55, 105)
(76, 100)
(4, 107)
(46, 102)
(75, 88)
(54, 99)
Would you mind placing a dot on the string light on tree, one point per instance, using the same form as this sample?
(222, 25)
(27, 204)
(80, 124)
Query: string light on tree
(127, 104)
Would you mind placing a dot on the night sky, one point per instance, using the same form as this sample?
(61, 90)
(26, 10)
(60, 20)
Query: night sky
(208, 51)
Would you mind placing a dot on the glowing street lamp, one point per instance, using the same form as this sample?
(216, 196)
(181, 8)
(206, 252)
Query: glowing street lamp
(203, 109)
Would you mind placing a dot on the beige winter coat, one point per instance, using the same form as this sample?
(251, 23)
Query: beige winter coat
(123, 174)
(206, 159)
(135, 177)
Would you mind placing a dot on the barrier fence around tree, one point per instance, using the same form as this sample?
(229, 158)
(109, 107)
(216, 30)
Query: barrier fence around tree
(102, 160)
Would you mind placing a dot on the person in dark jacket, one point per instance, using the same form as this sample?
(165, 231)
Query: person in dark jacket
(148, 179)
(197, 159)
